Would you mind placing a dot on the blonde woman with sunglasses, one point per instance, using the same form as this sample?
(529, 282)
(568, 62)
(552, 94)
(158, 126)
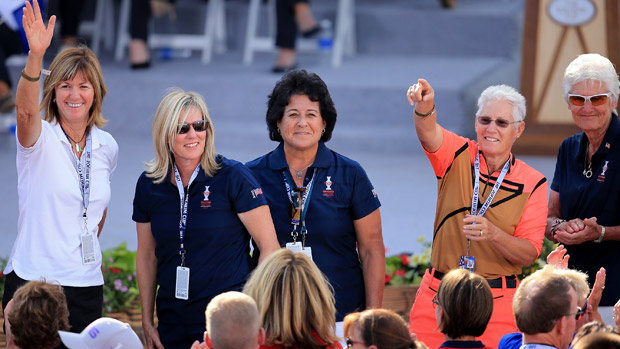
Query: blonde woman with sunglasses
(195, 212)
(584, 202)
(491, 207)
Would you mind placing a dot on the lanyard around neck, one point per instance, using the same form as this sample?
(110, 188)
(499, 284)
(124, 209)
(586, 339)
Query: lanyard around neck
(83, 167)
(184, 196)
(498, 183)
(301, 204)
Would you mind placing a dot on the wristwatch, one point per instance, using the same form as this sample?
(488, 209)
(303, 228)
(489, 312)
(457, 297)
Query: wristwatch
(600, 238)
(555, 224)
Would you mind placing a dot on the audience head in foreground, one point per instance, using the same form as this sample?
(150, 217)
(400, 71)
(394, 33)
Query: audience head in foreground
(233, 322)
(103, 333)
(294, 300)
(377, 329)
(545, 308)
(36, 313)
(464, 304)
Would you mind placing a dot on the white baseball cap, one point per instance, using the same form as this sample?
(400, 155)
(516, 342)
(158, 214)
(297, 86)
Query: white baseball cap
(103, 333)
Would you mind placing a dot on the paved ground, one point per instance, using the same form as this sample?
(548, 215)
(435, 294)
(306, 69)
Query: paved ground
(374, 127)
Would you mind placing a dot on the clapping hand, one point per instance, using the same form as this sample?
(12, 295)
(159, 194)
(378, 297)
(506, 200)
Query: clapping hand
(39, 37)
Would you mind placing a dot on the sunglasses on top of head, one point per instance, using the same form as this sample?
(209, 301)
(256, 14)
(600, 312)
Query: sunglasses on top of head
(595, 100)
(503, 123)
(199, 126)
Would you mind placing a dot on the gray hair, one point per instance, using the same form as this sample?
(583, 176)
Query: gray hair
(591, 67)
(507, 94)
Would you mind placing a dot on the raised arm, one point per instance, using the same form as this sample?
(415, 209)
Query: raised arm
(27, 98)
(422, 97)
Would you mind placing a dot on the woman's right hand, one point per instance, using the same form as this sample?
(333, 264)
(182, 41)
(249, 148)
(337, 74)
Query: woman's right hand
(151, 335)
(39, 37)
(421, 95)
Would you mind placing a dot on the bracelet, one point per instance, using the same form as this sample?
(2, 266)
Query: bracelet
(555, 224)
(425, 115)
(30, 78)
(600, 238)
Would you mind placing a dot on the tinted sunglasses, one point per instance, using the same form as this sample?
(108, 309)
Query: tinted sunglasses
(579, 312)
(596, 100)
(199, 126)
(502, 123)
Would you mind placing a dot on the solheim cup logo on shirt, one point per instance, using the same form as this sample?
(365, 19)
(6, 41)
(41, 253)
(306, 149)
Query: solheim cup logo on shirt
(374, 193)
(206, 203)
(328, 191)
(601, 177)
(256, 192)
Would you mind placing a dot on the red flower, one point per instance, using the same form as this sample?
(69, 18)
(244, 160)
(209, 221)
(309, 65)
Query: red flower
(387, 279)
(405, 259)
(400, 273)
(115, 270)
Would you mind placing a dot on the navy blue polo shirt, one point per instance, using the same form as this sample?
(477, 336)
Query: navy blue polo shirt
(216, 242)
(341, 194)
(598, 197)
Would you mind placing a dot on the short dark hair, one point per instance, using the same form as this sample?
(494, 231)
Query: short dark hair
(300, 82)
(38, 312)
(467, 304)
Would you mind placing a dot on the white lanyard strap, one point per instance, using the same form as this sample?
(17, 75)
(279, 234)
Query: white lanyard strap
(83, 167)
(498, 183)
(184, 197)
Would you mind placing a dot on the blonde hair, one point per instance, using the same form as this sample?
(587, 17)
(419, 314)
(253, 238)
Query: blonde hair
(579, 281)
(173, 110)
(67, 64)
(294, 300)
(232, 320)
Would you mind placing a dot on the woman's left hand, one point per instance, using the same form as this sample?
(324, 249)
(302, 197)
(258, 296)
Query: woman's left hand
(590, 232)
(478, 228)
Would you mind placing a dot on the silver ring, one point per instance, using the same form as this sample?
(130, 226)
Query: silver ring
(481, 233)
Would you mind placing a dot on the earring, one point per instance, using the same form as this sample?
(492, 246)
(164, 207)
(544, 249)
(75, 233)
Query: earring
(323, 132)
(279, 131)
(54, 100)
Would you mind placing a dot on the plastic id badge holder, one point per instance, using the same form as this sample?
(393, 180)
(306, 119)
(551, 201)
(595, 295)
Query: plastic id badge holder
(181, 291)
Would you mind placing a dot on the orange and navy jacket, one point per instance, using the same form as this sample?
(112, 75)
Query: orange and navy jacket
(519, 207)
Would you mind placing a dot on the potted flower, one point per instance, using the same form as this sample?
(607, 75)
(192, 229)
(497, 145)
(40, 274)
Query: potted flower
(404, 271)
(403, 274)
(120, 288)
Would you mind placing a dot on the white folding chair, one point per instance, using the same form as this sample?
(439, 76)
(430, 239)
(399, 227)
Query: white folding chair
(214, 34)
(344, 38)
(102, 27)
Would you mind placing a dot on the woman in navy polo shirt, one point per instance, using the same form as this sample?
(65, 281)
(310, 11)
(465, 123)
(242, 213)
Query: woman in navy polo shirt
(322, 203)
(195, 211)
(584, 201)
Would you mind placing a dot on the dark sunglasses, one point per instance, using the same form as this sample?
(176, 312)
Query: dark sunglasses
(596, 100)
(486, 120)
(579, 312)
(199, 126)
(350, 342)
